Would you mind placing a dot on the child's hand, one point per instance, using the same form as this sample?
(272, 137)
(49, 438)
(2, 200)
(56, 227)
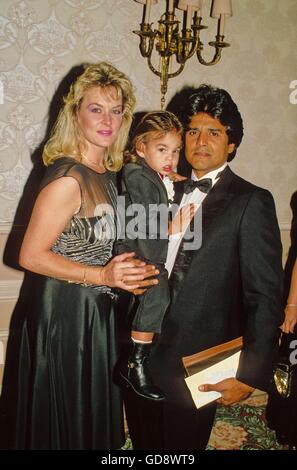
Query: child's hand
(176, 177)
(290, 320)
(182, 219)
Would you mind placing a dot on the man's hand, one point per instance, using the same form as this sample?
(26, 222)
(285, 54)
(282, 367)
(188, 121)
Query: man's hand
(176, 177)
(182, 219)
(144, 285)
(148, 281)
(231, 389)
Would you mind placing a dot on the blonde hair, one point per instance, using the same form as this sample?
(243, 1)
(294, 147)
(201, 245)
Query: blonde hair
(153, 125)
(66, 137)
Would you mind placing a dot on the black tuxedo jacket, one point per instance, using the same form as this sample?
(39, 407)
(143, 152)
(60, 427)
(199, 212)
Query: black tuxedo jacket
(142, 185)
(232, 285)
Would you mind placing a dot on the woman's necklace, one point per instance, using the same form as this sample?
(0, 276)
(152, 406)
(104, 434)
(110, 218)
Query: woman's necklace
(95, 165)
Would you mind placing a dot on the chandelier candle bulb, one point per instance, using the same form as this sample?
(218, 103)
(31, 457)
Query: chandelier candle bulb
(147, 11)
(222, 25)
(189, 17)
(171, 6)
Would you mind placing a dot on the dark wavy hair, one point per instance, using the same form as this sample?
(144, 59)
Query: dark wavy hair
(218, 104)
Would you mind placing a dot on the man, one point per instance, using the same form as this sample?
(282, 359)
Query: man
(230, 286)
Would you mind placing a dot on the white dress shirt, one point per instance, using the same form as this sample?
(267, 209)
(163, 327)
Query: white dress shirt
(196, 197)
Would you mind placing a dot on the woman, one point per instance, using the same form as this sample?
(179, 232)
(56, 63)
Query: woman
(281, 412)
(58, 391)
(290, 320)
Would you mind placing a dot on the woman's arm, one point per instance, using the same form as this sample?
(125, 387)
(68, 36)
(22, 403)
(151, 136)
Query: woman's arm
(291, 308)
(54, 207)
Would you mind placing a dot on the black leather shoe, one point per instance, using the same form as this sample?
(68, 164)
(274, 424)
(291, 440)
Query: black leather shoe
(135, 373)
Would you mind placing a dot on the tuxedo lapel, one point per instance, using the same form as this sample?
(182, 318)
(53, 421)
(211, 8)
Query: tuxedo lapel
(216, 200)
(212, 206)
(178, 191)
(178, 195)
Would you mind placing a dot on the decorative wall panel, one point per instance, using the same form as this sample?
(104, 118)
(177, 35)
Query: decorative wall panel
(41, 40)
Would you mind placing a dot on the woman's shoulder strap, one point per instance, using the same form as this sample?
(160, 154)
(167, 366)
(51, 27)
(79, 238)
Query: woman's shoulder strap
(63, 166)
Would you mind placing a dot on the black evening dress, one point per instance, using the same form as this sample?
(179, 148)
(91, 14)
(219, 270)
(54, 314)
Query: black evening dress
(281, 413)
(58, 390)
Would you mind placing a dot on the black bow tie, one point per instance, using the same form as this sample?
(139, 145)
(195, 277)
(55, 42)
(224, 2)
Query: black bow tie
(204, 185)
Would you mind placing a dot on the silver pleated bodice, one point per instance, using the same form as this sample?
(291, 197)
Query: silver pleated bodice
(89, 236)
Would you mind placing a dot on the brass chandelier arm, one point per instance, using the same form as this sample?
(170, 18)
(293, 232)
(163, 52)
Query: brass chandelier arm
(219, 44)
(175, 74)
(213, 61)
(186, 48)
(155, 71)
(146, 36)
(169, 75)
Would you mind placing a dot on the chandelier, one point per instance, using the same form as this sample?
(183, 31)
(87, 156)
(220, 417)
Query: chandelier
(179, 40)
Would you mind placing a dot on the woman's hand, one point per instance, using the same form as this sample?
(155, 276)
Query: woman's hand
(291, 308)
(182, 219)
(148, 281)
(290, 319)
(128, 273)
(176, 177)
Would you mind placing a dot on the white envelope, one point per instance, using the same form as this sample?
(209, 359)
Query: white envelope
(219, 371)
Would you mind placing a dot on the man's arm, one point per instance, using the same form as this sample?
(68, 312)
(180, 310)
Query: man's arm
(260, 254)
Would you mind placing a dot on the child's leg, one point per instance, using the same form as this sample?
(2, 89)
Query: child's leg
(149, 312)
(149, 308)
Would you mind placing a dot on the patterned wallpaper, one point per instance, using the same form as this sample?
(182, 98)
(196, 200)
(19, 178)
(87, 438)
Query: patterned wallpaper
(41, 40)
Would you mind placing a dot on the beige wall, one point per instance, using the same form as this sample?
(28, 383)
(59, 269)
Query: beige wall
(40, 40)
